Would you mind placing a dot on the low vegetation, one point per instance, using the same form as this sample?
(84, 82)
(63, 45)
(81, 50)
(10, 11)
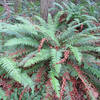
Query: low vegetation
(57, 59)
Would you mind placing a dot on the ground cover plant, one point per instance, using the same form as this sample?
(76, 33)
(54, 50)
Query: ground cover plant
(57, 59)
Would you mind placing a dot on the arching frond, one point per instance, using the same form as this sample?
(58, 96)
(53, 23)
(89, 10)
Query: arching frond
(29, 56)
(11, 68)
(44, 54)
(56, 57)
(22, 41)
(89, 48)
(55, 83)
(76, 53)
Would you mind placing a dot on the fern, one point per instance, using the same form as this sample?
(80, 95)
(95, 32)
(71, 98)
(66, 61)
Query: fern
(42, 55)
(82, 39)
(66, 42)
(71, 31)
(76, 53)
(11, 68)
(16, 29)
(55, 83)
(41, 20)
(57, 16)
(22, 41)
(89, 48)
(48, 30)
(93, 70)
(91, 65)
(30, 55)
(23, 20)
(56, 56)
(76, 11)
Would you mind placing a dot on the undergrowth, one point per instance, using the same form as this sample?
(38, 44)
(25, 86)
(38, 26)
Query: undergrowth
(58, 59)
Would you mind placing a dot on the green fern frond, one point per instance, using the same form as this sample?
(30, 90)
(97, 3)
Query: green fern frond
(26, 29)
(41, 20)
(44, 54)
(48, 29)
(90, 29)
(23, 20)
(93, 70)
(81, 39)
(90, 40)
(76, 20)
(56, 57)
(68, 68)
(88, 17)
(57, 17)
(77, 11)
(76, 53)
(49, 32)
(9, 29)
(18, 29)
(84, 23)
(22, 41)
(71, 30)
(10, 66)
(89, 48)
(50, 20)
(58, 5)
(55, 83)
(67, 32)
(25, 59)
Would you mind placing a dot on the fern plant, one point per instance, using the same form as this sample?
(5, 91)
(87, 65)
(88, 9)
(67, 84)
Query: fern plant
(62, 51)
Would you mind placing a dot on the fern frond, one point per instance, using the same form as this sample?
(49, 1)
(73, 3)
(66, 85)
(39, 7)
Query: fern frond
(67, 32)
(9, 29)
(48, 29)
(41, 20)
(50, 20)
(10, 66)
(55, 83)
(22, 41)
(29, 56)
(57, 17)
(44, 54)
(91, 40)
(23, 20)
(93, 70)
(88, 17)
(81, 39)
(17, 29)
(56, 57)
(71, 29)
(89, 48)
(76, 53)
(90, 29)
(26, 29)
(68, 68)
(49, 33)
